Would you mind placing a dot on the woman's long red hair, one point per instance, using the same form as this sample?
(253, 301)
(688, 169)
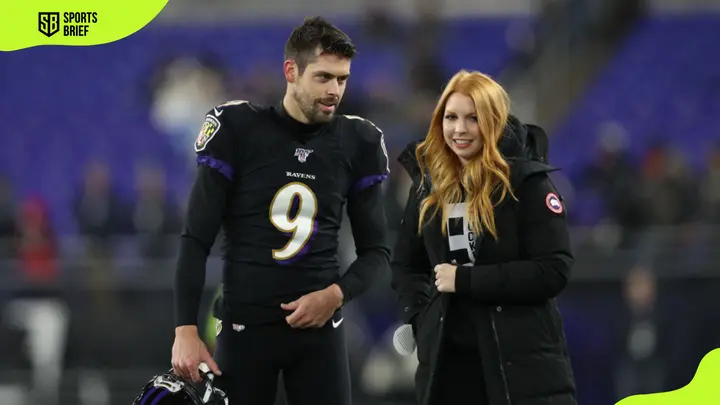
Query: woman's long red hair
(486, 174)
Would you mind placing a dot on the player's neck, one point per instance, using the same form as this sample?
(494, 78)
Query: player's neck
(296, 121)
(293, 110)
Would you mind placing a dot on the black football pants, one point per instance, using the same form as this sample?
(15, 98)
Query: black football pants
(313, 361)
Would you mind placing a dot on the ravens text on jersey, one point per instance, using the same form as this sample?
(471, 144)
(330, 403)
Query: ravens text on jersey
(278, 188)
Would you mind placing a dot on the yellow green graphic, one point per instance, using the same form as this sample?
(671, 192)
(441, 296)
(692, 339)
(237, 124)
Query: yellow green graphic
(26, 24)
(211, 324)
(702, 390)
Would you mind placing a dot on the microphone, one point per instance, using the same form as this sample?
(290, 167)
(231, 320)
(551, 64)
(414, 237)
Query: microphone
(404, 341)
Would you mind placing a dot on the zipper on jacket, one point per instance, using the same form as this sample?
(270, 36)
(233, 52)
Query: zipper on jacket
(502, 365)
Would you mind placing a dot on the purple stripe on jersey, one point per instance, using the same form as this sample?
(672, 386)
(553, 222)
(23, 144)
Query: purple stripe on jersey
(367, 181)
(217, 164)
(148, 395)
(299, 255)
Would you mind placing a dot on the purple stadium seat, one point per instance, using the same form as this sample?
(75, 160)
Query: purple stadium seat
(663, 82)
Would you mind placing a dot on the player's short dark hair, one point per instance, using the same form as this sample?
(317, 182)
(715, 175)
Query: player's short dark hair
(314, 33)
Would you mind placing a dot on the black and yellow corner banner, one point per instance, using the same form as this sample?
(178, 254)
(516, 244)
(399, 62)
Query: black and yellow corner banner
(25, 24)
(704, 388)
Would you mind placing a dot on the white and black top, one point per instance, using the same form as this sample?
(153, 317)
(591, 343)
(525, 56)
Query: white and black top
(461, 239)
(461, 242)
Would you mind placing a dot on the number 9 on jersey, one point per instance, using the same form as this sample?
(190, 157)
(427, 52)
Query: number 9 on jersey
(301, 225)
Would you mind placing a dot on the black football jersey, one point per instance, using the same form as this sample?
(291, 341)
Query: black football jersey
(289, 185)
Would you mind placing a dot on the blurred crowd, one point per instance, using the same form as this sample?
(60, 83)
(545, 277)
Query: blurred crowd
(637, 194)
(151, 219)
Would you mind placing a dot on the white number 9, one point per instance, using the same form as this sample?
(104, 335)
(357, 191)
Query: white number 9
(301, 225)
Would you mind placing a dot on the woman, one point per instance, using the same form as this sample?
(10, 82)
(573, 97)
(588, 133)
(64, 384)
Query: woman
(483, 252)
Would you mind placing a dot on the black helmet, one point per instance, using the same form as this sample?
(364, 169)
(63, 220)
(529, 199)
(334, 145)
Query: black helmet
(170, 389)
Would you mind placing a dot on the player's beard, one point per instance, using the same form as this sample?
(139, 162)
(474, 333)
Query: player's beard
(310, 107)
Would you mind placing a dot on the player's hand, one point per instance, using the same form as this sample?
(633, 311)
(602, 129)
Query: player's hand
(445, 277)
(188, 352)
(313, 310)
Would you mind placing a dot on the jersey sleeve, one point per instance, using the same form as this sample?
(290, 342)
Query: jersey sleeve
(216, 151)
(370, 165)
(215, 145)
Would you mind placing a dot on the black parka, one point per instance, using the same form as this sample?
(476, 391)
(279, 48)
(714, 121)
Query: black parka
(511, 287)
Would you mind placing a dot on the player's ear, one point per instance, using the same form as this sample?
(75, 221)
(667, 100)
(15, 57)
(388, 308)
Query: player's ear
(290, 70)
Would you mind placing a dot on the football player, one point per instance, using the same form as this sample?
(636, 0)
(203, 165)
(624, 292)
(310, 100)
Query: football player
(277, 179)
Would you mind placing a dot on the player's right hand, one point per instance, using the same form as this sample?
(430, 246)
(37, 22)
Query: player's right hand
(188, 352)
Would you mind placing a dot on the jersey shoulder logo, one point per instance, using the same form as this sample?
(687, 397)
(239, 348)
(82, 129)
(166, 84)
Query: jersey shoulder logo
(209, 128)
(302, 154)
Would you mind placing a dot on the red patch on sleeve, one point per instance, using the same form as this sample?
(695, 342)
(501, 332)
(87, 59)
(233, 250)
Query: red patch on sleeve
(553, 203)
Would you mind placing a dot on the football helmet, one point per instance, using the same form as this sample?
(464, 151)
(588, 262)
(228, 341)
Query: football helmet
(170, 389)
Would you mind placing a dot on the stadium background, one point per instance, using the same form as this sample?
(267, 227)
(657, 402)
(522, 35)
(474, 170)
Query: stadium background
(96, 163)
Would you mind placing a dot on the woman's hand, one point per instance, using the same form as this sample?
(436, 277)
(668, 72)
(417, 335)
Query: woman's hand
(445, 277)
